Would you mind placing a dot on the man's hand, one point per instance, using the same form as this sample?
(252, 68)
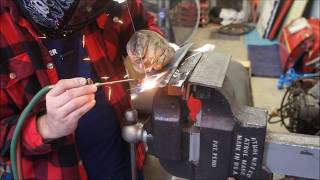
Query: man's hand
(66, 103)
(148, 50)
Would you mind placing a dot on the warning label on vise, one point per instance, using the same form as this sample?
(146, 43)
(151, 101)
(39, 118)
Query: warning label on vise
(214, 154)
(245, 156)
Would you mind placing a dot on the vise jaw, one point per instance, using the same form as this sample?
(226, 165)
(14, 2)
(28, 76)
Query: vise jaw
(222, 137)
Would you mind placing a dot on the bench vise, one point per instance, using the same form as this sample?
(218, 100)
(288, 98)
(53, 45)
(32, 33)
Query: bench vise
(202, 126)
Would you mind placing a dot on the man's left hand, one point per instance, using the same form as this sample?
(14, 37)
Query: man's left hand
(148, 50)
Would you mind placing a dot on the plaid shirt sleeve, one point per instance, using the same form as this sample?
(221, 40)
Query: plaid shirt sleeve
(15, 78)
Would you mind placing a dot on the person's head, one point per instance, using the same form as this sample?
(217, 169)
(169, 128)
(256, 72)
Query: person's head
(58, 18)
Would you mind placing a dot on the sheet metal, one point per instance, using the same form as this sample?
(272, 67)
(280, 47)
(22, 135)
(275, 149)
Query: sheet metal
(171, 68)
(156, 79)
(185, 69)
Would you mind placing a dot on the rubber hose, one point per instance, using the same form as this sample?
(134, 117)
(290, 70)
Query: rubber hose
(16, 134)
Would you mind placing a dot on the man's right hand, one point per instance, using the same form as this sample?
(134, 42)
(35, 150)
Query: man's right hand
(66, 103)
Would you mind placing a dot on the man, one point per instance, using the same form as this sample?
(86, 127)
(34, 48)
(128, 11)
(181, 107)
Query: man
(44, 41)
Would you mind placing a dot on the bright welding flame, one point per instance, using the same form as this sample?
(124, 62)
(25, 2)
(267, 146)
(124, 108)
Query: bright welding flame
(149, 84)
(151, 81)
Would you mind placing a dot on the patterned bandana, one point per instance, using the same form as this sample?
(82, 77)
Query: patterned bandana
(47, 13)
(60, 18)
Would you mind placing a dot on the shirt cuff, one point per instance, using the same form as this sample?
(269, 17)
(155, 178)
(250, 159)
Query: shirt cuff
(31, 139)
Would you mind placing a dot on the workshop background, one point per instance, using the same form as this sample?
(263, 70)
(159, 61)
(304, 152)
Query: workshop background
(259, 49)
(277, 41)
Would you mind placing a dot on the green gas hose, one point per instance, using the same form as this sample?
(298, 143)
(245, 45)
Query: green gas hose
(34, 101)
(16, 134)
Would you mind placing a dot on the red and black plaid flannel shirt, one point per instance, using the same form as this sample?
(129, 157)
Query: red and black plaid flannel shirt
(26, 66)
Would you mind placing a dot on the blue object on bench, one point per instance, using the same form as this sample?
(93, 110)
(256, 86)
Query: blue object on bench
(265, 60)
(287, 79)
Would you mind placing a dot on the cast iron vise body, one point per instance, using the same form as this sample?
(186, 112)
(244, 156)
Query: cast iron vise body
(225, 139)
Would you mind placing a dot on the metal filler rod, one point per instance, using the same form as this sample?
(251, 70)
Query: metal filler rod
(98, 84)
